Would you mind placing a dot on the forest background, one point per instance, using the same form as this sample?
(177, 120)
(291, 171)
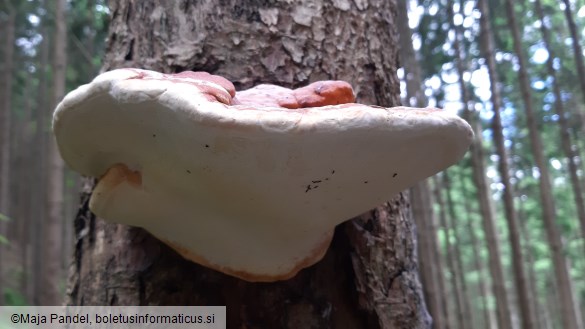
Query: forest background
(503, 237)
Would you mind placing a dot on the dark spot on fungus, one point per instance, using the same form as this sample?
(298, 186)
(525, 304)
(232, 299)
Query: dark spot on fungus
(365, 182)
(206, 145)
(188, 171)
(308, 188)
(153, 135)
(326, 178)
(332, 172)
(316, 181)
(395, 174)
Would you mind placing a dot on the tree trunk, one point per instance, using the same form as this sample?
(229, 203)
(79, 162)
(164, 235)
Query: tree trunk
(531, 277)
(502, 305)
(430, 271)
(527, 312)
(569, 309)
(5, 118)
(51, 262)
(450, 255)
(488, 315)
(26, 186)
(563, 123)
(467, 317)
(422, 207)
(41, 171)
(368, 278)
(478, 174)
(577, 50)
(435, 252)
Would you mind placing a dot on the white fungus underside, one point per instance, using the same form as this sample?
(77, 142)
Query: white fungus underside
(248, 190)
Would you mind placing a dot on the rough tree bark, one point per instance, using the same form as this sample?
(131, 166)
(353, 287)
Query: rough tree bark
(369, 276)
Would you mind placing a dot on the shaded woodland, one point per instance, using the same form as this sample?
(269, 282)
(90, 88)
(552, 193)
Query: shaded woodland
(501, 235)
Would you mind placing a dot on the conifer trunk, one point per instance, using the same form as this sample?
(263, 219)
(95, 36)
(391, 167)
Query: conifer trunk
(565, 137)
(576, 45)
(569, 310)
(6, 67)
(421, 200)
(51, 261)
(503, 313)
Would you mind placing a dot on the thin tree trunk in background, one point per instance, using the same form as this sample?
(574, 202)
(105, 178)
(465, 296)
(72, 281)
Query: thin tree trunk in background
(531, 277)
(5, 134)
(545, 317)
(468, 318)
(435, 246)
(503, 313)
(422, 213)
(422, 207)
(449, 254)
(569, 309)
(478, 168)
(412, 74)
(70, 205)
(41, 171)
(368, 278)
(552, 292)
(52, 273)
(568, 150)
(527, 312)
(6, 67)
(576, 43)
(488, 315)
(92, 35)
(26, 185)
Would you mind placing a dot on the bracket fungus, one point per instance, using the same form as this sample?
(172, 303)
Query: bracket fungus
(251, 183)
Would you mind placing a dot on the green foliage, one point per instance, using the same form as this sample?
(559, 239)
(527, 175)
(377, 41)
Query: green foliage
(433, 35)
(3, 218)
(13, 297)
(3, 239)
